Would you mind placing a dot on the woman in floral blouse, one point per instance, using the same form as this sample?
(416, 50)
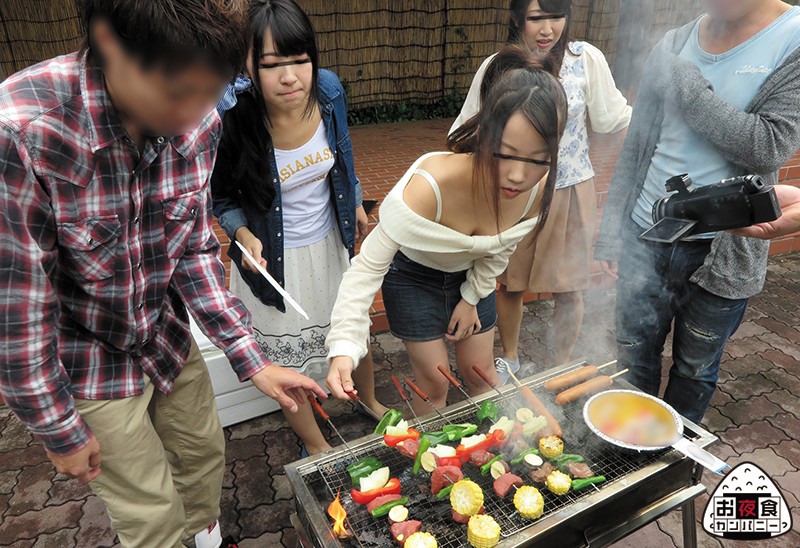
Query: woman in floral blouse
(559, 261)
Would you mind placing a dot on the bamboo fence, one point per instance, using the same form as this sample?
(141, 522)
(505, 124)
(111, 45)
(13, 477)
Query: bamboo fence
(386, 51)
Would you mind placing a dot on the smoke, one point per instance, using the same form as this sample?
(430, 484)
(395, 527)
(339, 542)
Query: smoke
(634, 37)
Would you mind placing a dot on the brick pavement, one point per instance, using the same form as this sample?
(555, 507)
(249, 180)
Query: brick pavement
(755, 412)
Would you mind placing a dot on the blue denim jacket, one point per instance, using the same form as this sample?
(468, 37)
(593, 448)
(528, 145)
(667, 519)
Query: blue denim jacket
(345, 191)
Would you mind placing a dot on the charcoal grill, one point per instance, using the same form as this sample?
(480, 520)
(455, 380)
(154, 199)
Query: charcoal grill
(639, 487)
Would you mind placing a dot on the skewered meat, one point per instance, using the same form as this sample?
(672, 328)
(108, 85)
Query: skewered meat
(540, 474)
(401, 531)
(579, 470)
(444, 476)
(409, 448)
(502, 485)
(461, 518)
(480, 457)
(380, 501)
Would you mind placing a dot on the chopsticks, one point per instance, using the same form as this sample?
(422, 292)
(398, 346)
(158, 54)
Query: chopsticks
(261, 270)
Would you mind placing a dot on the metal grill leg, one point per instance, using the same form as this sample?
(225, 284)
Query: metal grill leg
(689, 525)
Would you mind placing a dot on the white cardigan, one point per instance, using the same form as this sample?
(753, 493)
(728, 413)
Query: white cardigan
(426, 242)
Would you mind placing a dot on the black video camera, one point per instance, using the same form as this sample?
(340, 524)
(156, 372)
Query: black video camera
(731, 203)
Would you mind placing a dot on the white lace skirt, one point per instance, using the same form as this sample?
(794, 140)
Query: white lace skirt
(312, 276)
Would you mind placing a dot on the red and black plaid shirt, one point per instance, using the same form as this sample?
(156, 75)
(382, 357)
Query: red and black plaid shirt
(102, 249)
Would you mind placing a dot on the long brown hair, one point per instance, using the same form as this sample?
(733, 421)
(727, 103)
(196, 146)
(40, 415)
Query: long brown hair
(518, 11)
(516, 81)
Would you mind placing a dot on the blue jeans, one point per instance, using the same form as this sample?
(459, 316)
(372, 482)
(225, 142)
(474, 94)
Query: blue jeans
(654, 291)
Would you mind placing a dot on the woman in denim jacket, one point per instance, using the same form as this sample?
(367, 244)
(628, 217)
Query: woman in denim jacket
(284, 187)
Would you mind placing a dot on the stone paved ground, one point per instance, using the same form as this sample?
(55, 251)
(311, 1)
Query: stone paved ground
(755, 413)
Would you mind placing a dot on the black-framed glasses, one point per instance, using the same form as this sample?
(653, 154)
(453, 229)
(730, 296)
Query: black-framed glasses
(501, 156)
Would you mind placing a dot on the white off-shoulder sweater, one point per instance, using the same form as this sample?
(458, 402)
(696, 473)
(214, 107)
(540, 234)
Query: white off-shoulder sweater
(426, 242)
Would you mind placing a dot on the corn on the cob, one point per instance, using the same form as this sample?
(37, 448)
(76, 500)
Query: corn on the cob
(529, 502)
(421, 540)
(466, 497)
(551, 447)
(558, 482)
(483, 531)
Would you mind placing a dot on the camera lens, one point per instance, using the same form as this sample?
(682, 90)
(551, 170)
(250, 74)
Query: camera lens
(660, 209)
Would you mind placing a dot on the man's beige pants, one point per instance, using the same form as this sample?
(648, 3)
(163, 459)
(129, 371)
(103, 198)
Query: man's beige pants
(163, 458)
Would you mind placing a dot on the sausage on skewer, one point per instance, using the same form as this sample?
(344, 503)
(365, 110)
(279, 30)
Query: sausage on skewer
(553, 428)
(585, 388)
(561, 382)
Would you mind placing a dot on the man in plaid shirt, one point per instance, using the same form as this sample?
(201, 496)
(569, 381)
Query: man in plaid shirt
(105, 242)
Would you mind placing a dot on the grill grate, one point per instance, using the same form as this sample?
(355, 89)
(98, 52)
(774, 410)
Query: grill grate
(604, 460)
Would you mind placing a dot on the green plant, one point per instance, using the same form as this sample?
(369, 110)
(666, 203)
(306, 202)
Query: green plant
(447, 107)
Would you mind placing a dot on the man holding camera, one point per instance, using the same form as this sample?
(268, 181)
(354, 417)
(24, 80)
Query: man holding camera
(718, 99)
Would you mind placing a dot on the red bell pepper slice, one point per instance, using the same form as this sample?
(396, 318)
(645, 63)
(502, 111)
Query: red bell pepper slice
(449, 461)
(504, 438)
(364, 497)
(392, 441)
(495, 439)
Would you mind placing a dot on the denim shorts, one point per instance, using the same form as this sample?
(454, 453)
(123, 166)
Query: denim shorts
(420, 300)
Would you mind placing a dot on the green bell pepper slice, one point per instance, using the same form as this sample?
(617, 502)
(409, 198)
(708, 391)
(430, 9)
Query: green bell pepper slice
(444, 493)
(436, 438)
(488, 410)
(488, 466)
(391, 418)
(564, 458)
(585, 482)
(424, 445)
(383, 510)
(457, 431)
(521, 457)
(363, 468)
